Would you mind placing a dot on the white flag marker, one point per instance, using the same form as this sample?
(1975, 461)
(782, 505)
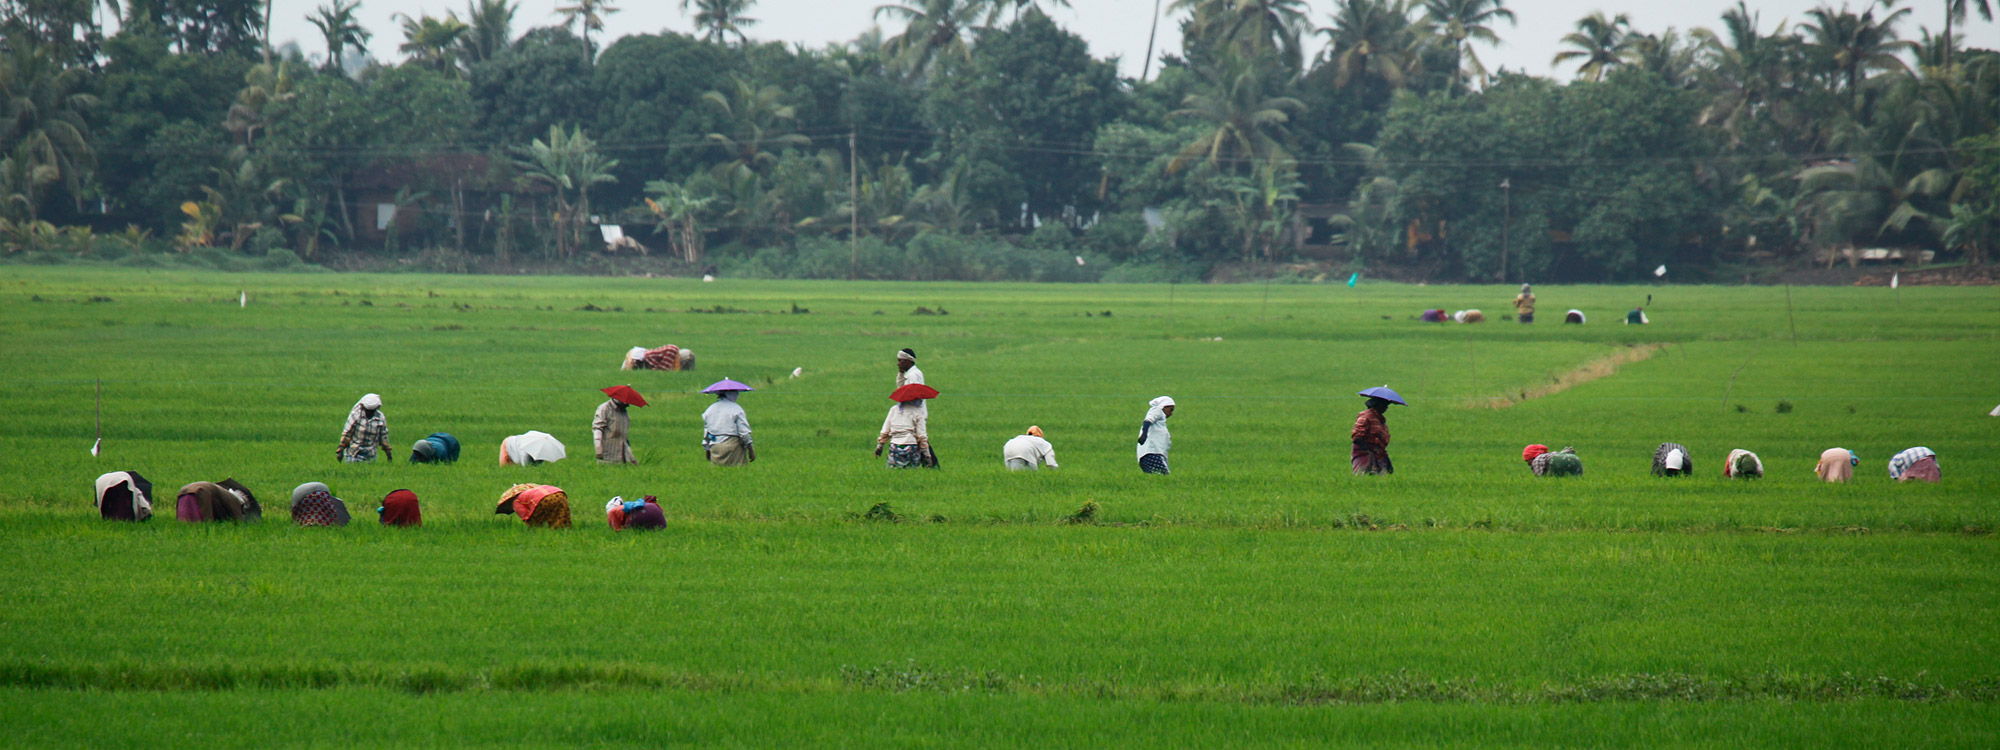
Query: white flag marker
(1894, 279)
(243, 299)
(1660, 272)
(95, 445)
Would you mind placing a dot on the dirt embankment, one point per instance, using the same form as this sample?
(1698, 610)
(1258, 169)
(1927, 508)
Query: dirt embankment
(1602, 367)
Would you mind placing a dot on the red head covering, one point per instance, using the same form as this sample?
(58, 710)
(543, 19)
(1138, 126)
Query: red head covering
(1529, 453)
(400, 509)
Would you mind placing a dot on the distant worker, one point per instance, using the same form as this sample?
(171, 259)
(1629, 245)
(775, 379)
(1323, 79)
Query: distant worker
(1742, 464)
(1547, 463)
(313, 504)
(1917, 463)
(1573, 316)
(669, 357)
(906, 368)
(1637, 317)
(1028, 452)
(438, 448)
(124, 496)
(1672, 460)
(1371, 432)
(1836, 465)
(400, 508)
(1436, 316)
(611, 428)
(531, 448)
(366, 432)
(639, 515)
(1468, 316)
(725, 431)
(1154, 439)
(542, 505)
(906, 430)
(1524, 304)
(207, 501)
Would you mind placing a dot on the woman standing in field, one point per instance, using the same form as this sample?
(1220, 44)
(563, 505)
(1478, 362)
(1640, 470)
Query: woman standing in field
(906, 430)
(366, 432)
(725, 434)
(1524, 304)
(1371, 433)
(1154, 439)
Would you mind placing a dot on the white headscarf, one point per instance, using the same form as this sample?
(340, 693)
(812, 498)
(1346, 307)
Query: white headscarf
(1156, 409)
(1676, 460)
(369, 402)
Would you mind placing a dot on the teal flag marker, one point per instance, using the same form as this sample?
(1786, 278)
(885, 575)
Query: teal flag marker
(1353, 278)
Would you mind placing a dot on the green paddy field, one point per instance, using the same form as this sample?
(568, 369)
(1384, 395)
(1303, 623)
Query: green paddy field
(1259, 596)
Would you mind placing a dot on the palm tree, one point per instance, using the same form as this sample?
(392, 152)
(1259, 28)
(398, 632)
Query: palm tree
(569, 164)
(760, 121)
(1955, 10)
(1600, 44)
(263, 85)
(590, 14)
(489, 29)
(1665, 56)
(1255, 27)
(1750, 74)
(1462, 22)
(721, 18)
(932, 29)
(341, 29)
(1243, 125)
(433, 42)
(1857, 44)
(42, 115)
(1372, 39)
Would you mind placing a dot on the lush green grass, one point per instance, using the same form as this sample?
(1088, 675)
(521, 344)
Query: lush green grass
(1258, 593)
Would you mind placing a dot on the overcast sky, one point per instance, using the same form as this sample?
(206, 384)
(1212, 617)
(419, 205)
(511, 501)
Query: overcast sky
(1113, 27)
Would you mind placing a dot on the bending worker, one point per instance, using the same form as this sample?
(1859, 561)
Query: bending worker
(366, 431)
(1029, 452)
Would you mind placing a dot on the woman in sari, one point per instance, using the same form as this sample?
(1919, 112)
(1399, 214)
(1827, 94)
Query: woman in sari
(124, 496)
(1672, 460)
(1371, 438)
(1743, 464)
(400, 509)
(439, 448)
(1154, 439)
(1917, 463)
(208, 501)
(1836, 465)
(537, 504)
(313, 504)
(906, 430)
(639, 515)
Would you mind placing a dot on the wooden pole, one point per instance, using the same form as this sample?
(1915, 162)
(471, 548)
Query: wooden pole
(1789, 315)
(99, 442)
(853, 205)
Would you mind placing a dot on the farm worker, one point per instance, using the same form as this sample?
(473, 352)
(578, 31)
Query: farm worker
(640, 515)
(1028, 451)
(366, 431)
(1524, 304)
(1836, 465)
(726, 432)
(1637, 317)
(1917, 463)
(1434, 315)
(1672, 460)
(667, 357)
(439, 448)
(124, 496)
(314, 505)
(1371, 438)
(1547, 463)
(906, 368)
(1469, 316)
(1154, 439)
(906, 432)
(612, 426)
(1573, 316)
(1743, 464)
(208, 501)
(399, 508)
(537, 504)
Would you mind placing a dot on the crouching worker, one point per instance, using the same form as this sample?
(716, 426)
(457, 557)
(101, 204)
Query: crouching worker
(439, 448)
(1671, 460)
(1917, 463)
(124, 496)
(1743, 464)
(400, 509)
(537, 504)
(313, 504)
(1547, 463)
(1836, 465)
(1029, 452)
(640, 515)
(216, 501)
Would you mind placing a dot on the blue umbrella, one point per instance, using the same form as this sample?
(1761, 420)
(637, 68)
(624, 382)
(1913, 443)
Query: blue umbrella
(725, 385)
(1385, 394)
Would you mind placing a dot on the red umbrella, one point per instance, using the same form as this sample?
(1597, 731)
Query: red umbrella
(625, 394)
(914, 392)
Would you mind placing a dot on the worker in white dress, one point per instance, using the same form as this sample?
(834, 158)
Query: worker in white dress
(1029, 452)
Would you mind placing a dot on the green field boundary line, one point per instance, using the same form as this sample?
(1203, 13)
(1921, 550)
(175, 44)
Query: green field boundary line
(910, 677)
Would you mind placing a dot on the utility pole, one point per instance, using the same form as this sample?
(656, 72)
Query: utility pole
(1506, 219)
(853, 205)
(1147, 67)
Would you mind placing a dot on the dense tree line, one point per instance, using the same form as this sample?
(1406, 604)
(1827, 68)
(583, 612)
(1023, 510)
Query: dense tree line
(984, 141)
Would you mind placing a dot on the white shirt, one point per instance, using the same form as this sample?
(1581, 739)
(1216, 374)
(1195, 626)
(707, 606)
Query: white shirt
(725, 418)
(906, 425)
(1031, 449)
(912, 375)
(1158, 440)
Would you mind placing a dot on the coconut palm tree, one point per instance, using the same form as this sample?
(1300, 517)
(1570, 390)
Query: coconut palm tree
(1244, 127)
(1253, 27)
(1600, 44)
(1858, 43)
(721, 18)
(932, 29)
(760, 124)
(42, 115)
(1462, 22)
(1750, 75)
(569, 164)
(433, 42)
(339, 25)
(1666, 56)
(1372, 39)
(489, 29)
(590, 15)
(1955, 10)
(263, 85)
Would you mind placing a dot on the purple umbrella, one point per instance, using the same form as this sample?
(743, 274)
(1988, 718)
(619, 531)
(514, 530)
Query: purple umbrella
(726, 385)
(1385, 394)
